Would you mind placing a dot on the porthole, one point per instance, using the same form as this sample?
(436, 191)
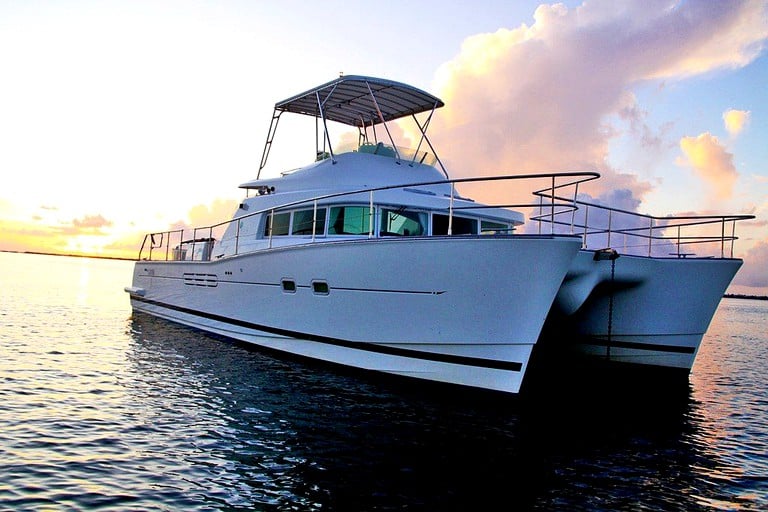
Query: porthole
(320, 287)
(289, 285)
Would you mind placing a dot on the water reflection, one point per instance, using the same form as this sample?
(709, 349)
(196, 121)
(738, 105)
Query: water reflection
(729, 381)
(243, 429)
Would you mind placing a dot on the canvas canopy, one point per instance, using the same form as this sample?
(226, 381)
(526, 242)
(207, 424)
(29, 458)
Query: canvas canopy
(360, 101)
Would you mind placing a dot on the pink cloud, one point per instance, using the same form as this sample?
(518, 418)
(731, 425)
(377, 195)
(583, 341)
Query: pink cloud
(538, 98)
(754, 273)
(735, 121)
(711, 162)
(203, 215)
(86, 225)
(91, 222)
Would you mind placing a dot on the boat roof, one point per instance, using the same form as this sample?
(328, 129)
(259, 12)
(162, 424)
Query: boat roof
(358, 100)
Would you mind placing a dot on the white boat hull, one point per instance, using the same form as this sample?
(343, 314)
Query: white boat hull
(653, 311)
(460, 310)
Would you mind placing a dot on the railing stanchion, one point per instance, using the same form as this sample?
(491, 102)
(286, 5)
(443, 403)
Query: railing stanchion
(370, 216)
(552, 209)
(610, 220)
(450, 212)
(586, 223)
(541, 209)
(650, 238)
(722, 239)
(314, 219)
(237, 237)
(210, 242)
(271, 224)
(573, 205)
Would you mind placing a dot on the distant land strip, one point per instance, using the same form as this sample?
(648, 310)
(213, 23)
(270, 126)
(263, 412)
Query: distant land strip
(742, 296)
(95, 256)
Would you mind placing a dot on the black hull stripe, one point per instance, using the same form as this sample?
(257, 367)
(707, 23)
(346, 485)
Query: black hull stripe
(193, 281)
(640, 346)
(368, 347)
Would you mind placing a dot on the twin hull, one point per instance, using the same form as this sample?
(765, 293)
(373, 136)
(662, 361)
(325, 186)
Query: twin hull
(462, 310)
(651, 311)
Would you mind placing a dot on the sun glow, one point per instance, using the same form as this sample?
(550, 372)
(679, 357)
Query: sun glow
(124, 118)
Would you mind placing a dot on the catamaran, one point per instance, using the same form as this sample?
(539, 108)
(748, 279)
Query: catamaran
(368, 258)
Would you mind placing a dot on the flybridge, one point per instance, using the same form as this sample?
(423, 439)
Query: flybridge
(362, 102)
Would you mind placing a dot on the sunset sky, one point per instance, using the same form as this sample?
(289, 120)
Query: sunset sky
(123, 117)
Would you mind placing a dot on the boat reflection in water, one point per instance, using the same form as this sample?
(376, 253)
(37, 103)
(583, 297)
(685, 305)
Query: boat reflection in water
(244, 429)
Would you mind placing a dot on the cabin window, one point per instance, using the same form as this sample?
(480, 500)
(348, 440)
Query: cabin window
(349, 220)
(488, 227)
(320, 288)
(402, 223)
(279, 225)
(249, 227)
(289, 285)
(460, 226)
(302, 222)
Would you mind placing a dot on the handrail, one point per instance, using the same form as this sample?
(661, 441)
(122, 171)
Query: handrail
(555, 208)
(648, 235)
(648, 231)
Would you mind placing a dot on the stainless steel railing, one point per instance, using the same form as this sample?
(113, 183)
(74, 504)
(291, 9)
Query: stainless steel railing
(640, 234)
(197, 244)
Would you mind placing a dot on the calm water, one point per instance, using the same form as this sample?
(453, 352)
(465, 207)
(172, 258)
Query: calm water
(100, 409)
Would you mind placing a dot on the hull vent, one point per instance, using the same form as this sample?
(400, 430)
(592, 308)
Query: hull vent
(207, 280)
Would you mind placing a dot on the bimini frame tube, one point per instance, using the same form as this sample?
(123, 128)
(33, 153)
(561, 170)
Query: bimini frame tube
(381, 116)
(326, 136)
(270, 137)
(361, 102)
(424, 138)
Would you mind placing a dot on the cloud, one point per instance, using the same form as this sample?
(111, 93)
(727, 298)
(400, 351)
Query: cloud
(203, 215)
(711, 162)
(91, 222)
(735, 121)
(754, 273)
(539, 98)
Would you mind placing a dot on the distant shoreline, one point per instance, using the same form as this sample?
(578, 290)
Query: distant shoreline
(70, 255)
(742, 296)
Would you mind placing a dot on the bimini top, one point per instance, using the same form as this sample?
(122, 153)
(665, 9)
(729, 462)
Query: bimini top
(360, 101)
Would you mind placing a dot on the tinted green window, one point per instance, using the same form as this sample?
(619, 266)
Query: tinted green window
(320, 287)
(403, 223)
(461, 225)
(302, 222)
(279, 225)
(488, 227)
(349, 220)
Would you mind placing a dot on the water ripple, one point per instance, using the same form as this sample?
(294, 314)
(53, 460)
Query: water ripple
(105, 410)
